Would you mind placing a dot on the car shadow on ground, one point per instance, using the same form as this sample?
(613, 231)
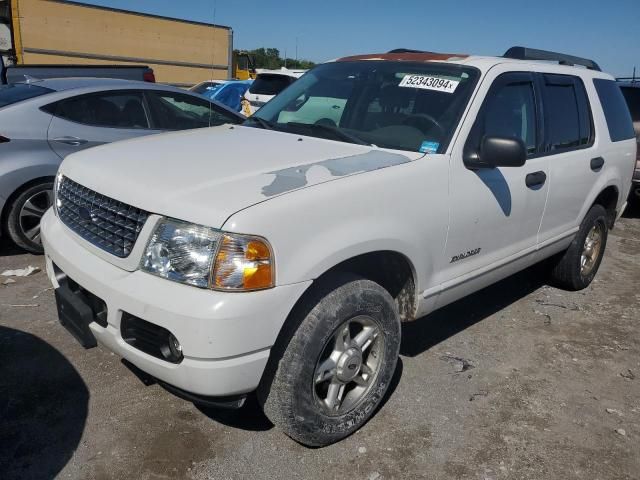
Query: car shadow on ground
(43, 407)
(430, 330)
(8, 249)
(633, 209)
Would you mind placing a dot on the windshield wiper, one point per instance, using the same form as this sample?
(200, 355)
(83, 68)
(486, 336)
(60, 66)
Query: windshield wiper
(335, 131)
(266, 124)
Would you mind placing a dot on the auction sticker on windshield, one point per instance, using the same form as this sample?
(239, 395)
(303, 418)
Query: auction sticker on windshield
(429, 83)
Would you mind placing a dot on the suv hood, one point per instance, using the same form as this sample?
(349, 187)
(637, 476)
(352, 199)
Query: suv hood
(204, 176)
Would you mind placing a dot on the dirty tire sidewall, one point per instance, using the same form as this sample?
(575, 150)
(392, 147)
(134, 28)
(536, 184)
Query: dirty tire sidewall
(567, 272)
(288, 397)
(12, 225)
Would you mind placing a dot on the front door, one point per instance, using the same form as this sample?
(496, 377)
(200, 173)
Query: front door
(495, 213)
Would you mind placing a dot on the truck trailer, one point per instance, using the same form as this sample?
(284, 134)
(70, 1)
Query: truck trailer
(61, 32)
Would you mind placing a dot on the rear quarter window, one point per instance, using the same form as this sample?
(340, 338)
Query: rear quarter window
(615, 109)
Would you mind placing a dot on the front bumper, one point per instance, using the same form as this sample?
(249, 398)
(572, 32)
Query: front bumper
(226, 337)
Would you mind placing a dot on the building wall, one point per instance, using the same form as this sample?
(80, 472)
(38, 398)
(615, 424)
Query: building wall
(179, 52)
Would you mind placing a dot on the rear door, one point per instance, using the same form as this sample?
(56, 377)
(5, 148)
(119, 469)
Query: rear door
(569, 148)
(93, 119)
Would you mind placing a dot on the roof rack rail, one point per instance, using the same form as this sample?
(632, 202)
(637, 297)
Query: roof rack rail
(407, 50)
(524, 53)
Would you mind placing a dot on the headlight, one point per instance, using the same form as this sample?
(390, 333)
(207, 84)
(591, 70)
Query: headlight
(207, 258)
(56, 186)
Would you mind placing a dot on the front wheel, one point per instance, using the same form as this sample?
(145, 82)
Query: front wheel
(333, 370)
(580, 262)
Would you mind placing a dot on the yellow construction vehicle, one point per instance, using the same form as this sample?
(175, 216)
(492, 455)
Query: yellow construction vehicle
(244, 67)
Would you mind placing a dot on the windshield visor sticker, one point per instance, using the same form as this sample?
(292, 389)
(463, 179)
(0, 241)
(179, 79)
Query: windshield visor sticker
(429, 147)
(425, 82)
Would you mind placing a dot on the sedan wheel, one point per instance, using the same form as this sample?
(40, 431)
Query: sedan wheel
(25, 213)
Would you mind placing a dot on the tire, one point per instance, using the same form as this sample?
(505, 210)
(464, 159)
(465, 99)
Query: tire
(292, 393)
(24, 214)
(570, 272)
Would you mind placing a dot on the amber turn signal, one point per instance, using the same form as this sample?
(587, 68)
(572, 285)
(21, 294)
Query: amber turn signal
(243, 263)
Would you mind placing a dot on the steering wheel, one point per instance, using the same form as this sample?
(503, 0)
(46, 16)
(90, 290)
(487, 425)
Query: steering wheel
(419, 120)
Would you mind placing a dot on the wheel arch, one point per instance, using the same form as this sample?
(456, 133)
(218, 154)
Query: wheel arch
(608, 198)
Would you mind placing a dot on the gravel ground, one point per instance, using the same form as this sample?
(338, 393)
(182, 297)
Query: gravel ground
(517, 381)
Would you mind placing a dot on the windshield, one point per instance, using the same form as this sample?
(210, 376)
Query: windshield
(17, 92)
(398, 105)
(270, 84)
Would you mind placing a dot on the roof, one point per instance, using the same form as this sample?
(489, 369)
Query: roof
(282, 71)
(407, 56)
(484, 63)
(67, 83)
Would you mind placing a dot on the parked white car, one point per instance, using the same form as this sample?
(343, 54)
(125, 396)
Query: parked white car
(290, 270)
(268, 84)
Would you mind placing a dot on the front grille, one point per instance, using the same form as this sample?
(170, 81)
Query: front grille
(109, 224)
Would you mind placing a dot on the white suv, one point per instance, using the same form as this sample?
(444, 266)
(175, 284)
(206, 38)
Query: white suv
(268, 84)
(289, 268)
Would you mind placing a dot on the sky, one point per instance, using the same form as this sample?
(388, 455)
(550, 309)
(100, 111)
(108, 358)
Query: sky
(605, 31)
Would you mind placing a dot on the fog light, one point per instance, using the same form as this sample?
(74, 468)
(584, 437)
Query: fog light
(174, 347)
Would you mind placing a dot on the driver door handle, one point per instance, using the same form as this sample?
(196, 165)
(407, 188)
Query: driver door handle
(536, 179)
(75, 141)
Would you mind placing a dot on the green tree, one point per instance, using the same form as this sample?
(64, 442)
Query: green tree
(270, 58)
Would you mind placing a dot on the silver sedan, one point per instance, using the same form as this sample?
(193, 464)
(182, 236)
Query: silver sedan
(43, 121)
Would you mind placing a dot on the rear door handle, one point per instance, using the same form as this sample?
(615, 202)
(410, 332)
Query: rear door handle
(597, 164)
(535, 179)
(75, 141)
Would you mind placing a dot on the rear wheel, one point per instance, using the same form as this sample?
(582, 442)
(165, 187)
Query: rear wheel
(25, 213)
(580, 262)
(332, 371)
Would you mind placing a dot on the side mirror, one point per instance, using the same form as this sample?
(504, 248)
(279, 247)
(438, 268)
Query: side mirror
(497, 152)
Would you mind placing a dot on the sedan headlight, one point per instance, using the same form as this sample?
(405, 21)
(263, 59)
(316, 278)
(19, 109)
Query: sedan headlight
(208, 258)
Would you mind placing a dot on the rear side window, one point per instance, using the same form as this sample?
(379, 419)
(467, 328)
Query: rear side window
(270, 84)
(176, 111)
(615, 110)
(17, 92)
(113, 110)
(567, 113)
